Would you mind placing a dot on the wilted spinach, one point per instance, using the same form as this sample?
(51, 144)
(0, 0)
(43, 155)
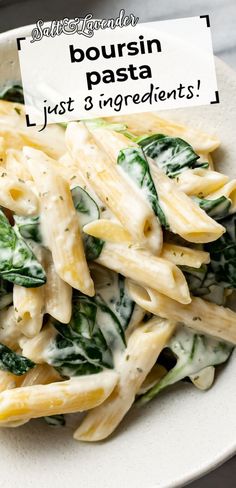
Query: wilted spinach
(18, 264)
(86, 344)
(88, 211)
(223, 254)
(111, 289)
(14, 363)
(172, 154)
(216, 209)
(29, 227)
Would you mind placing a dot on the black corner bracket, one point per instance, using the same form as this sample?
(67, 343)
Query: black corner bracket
(18, 41)
(217, 99)
(28, 121)
(207, 19)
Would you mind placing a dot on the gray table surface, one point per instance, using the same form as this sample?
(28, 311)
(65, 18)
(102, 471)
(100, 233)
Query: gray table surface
(15, 13)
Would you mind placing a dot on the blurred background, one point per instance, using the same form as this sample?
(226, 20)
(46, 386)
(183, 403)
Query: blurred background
(16, 13)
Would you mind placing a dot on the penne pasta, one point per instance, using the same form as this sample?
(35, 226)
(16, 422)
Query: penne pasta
(74, 395)
(184, 215)
(57, 293)
(16, 195)
(135, 263)
(184, 256)
(143, 349)
(206, 156)
(29, 303)
(16, 164)
(113, 188)
(228, 190)
(202, 316)
(16, 135)
(200, 182)
(108, 230)
(148, 123)
(29, 309)
(60, 223)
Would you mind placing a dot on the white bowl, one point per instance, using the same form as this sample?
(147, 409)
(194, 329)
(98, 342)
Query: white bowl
(176, 438)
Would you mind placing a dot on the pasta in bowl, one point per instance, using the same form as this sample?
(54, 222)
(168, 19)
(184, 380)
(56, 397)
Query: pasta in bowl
(118, 250)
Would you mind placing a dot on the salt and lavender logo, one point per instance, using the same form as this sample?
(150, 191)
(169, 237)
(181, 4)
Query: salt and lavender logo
(81, 25)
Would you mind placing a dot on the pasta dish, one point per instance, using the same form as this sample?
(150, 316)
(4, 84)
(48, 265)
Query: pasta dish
(117, 265)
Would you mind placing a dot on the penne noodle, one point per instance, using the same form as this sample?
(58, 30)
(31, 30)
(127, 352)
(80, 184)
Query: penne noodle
(206, 156)
(200, 182)
(143, 349)
(148, 123)
(184, 215)
(111, 141)
(29, 302)
(16, 423)
(29, 309)
(202, 316)
(75, 395)
(229, 191)
(16, 164)
(16, 195)
(60, 223)
(41, 374)
(57, 293)
(184, 256)
(150, 270)
(108, 230)
(113, 188)
(17, 135)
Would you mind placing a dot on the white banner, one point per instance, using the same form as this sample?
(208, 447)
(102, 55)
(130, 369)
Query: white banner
(135, 68)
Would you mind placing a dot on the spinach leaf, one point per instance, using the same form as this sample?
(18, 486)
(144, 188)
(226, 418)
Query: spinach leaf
(111, 289)
(13, 93)
(85, 205)
(86, 345)
(18, 263)
(211, 280)
(6, 295)
(55, 420)
(29, 227)
(14, 363)
(223, 254)
(172, 154)
(217, 209)
(193, 353)
(133, 161)
(88, 211)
